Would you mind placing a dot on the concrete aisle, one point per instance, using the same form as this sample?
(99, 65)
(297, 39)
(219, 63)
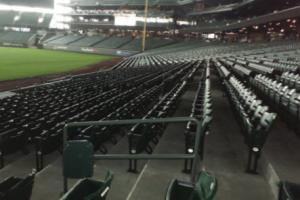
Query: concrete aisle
(158, 174)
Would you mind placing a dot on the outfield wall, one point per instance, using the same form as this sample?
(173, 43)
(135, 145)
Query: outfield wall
(19, 44)
(91, 50)
(14, 44)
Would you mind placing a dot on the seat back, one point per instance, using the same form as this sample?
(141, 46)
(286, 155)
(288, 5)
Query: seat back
(90, 189)
(260, 111)
(254, 105)
(137, 138)
(20, 188)
(289, 93)
(277, 87)
(268, 120)
(206, 187)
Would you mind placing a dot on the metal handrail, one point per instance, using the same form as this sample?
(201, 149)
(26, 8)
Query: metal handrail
(193, 156)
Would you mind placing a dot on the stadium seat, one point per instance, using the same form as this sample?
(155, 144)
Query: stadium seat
(289, 191)
(12, 141)
(15, 188)
(205, 188)
(90, 189)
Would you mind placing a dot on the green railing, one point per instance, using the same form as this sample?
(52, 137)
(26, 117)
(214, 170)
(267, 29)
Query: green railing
(193, 156)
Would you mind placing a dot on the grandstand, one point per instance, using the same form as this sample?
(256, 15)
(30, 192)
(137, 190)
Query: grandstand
(17, 39)
(203, 104)
(89, 41)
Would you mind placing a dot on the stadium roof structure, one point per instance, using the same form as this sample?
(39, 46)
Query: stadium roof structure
(30, 3)
(128, 2)
(260, 20)
(222, 9)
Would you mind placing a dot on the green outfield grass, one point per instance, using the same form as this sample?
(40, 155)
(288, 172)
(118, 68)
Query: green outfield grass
(21, 63)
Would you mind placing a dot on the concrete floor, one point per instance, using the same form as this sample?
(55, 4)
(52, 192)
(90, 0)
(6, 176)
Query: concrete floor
(225, 157)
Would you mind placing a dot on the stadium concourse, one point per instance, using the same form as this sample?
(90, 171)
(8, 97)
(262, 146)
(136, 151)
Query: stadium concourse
(245, 96)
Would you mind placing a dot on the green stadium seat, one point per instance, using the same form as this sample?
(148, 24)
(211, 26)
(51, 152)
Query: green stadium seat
(256, 137)
(190, 138)
(205, 188)
(90, 189)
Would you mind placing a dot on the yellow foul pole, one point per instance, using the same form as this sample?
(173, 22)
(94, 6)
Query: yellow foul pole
(145, 24)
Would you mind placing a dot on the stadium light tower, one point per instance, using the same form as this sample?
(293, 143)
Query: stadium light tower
(145, 24)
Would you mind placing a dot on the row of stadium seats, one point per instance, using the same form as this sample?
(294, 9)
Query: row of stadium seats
(89, 41)
(40, 112)
(134, 109)
(255, 118)
(51, 140)
(290, 79)
(7, 17)
(124, 43)
(283, 99)
(202, 110)
(15, 188)
(113, 42)
(66, 39)
(141, 134)
(241, 72)
(33, 19)
(10, 36)
(40, 108)
(134, 45)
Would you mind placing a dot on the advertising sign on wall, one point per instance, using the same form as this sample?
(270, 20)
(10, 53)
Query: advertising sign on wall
(10, 44)
(92, 50)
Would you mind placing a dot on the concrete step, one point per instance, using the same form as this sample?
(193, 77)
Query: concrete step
(281, 157)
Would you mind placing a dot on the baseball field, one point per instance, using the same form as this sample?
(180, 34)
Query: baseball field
(21, 63)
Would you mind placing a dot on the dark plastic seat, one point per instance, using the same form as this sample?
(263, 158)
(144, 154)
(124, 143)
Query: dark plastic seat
(289, 191)
(12, 141)
(48, 142)
(15, 188)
